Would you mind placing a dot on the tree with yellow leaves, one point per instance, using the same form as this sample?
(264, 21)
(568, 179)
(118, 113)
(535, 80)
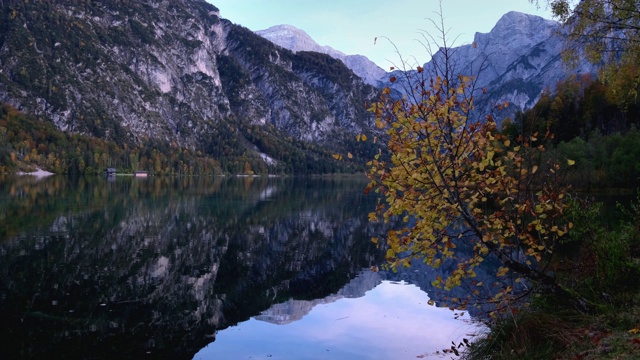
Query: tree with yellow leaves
(456, 181)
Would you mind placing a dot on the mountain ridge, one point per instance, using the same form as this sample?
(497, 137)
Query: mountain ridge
(295, 39)
(176, 73)
(514, 63)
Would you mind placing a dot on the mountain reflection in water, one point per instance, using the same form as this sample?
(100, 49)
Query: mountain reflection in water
(159, 267)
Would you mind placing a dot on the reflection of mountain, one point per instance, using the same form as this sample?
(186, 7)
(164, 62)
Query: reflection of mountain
(418, 274)
(154, 268)
(294, 310)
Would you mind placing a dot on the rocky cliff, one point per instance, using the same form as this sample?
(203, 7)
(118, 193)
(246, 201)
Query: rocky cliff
(515, 62)
(171, 71)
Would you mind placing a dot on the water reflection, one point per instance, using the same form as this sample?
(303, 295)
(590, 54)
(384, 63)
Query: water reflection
(158, 267)
(370, 318)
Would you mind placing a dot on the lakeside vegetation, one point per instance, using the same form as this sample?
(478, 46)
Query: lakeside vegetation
(517, 194)
(590, 126)
(27, 143)
(598, 260)
(595, 122)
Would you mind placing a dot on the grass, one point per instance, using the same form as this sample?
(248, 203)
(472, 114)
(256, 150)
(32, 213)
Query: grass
(604, 269)
(553, 333)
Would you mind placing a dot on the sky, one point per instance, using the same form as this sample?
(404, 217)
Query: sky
(352, 26)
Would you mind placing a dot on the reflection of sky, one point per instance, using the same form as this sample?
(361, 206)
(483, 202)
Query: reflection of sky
(392, 321)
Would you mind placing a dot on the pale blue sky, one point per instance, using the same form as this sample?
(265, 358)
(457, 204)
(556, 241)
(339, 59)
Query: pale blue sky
(351, 25)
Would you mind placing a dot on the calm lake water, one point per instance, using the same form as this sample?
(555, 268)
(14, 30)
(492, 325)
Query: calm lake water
(206, 268)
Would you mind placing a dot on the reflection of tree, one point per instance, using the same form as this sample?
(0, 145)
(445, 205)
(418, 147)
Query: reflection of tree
(159, 265)
(423, 276)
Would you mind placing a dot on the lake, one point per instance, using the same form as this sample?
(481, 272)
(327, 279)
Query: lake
(207, 268)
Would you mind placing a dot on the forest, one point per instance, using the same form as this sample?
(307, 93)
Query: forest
(587, 122)
(27, 143)
(588, 125)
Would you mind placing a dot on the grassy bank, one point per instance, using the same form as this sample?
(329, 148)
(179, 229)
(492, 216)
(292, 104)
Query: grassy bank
(600, 263)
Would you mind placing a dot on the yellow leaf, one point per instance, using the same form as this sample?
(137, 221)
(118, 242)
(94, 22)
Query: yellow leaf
(507, 142)
(349, 155)
(363, 137)
(337, 156)
(534, 169)
(634, 331)
(571, 162)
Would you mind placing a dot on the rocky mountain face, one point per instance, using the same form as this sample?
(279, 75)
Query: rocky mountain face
(294, 39)
(171, 71)
(515, 62)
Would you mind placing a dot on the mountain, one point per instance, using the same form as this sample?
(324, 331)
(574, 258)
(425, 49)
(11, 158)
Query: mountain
(294, 39)
(515, 62)
(523, 54)
(175, 72)
(174, 77)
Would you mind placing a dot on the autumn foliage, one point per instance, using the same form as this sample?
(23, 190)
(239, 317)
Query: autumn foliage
(456, 181)
(606, 33)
